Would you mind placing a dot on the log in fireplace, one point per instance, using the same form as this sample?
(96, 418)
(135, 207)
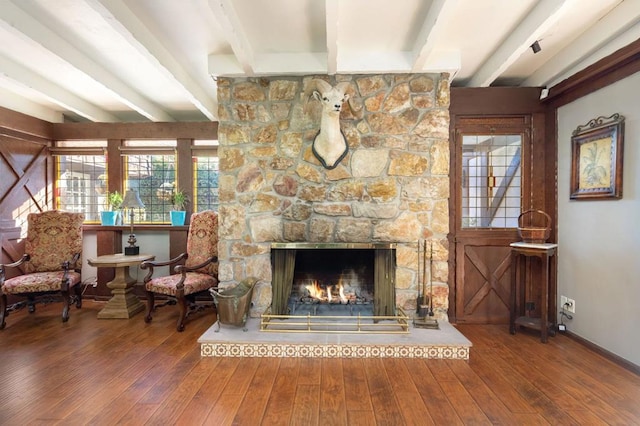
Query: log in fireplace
(333, 278)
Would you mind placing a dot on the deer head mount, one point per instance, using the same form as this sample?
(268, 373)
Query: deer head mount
(329, 145)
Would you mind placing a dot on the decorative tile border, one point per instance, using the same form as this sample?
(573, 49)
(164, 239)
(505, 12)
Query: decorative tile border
(284, 350)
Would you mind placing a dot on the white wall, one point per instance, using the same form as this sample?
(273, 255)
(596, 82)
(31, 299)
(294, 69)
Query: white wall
(599, 241)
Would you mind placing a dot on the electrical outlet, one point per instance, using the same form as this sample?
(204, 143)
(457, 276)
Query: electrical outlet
(568, 304)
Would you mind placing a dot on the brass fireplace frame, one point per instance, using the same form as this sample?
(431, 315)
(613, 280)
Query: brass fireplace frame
(369, 324)
(283, 259)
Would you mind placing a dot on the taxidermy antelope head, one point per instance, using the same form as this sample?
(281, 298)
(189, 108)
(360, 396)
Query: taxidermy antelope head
(330, 145)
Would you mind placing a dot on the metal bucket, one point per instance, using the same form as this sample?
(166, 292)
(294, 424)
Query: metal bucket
(233, 303)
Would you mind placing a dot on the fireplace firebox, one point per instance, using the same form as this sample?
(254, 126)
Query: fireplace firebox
(333, 279)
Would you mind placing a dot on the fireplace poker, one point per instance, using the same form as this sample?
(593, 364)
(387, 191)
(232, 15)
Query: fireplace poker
(424, 319)
(420, 279)
(422, 299)
(431, 278)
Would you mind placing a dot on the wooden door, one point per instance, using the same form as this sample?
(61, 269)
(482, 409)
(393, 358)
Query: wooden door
(491, 175)
(483, 280)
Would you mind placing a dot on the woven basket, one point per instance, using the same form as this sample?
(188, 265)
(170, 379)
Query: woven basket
(534, 234)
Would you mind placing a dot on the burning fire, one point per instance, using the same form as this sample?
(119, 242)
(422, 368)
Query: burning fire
(316, 292)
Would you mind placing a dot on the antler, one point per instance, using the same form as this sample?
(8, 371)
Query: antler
(316, 84)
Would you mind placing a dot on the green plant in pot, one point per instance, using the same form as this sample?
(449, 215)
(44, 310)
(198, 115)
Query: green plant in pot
(113, 202)
(179, 200)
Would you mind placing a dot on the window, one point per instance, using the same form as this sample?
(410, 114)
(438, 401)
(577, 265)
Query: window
(206, 174)
(491, 181)
(81, 177)
(150, 168)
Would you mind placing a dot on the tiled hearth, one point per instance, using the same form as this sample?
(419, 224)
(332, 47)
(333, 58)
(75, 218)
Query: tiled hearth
(444, 343)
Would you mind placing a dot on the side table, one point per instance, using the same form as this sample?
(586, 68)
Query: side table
(123, 303)
(546, 252)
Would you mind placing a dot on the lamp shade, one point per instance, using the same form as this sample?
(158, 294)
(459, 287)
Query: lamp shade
(132, 200)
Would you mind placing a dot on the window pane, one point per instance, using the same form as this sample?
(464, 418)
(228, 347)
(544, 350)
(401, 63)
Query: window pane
(154, 177)
(491, 181)
(81, 184)
(205, 184)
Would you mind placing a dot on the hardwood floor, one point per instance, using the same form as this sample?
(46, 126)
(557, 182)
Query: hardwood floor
(107, 372)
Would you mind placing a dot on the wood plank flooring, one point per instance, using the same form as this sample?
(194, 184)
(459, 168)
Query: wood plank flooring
(107, 372)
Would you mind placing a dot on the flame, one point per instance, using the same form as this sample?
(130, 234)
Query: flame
(330, 294)
(340, 286)
(342, 296)
(314, 290)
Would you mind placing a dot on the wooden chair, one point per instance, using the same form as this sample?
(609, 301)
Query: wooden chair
(51, 262)
(198, 274)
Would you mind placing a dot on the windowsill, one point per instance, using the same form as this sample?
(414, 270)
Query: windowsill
(136, 227)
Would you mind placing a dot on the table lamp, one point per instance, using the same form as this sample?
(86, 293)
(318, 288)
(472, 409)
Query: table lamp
(132, 201)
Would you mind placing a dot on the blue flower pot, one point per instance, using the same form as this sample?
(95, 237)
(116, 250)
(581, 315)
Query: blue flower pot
(177, 217)
(108, 218)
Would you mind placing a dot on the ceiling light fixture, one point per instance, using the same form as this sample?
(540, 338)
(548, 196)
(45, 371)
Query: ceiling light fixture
(536, 47)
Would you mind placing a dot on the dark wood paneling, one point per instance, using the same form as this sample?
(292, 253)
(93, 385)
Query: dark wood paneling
(479, 272)
(24, 124)
(25, 170)
(620, 64)
(114, 166)
(178, 241)
(88, 131)
(185, 174)
(497, 101)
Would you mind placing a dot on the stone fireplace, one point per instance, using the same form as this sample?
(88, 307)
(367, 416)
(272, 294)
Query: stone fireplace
(391, 188)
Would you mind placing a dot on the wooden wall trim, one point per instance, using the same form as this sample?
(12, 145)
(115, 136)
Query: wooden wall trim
(617, 66)
(25, 124)
(89, 131)
(499, 101)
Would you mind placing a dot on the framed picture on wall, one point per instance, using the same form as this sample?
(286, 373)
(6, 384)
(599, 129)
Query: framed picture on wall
(596, 159)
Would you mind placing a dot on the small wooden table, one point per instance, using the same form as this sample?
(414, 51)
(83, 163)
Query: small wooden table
(123, 303)
(545, 251)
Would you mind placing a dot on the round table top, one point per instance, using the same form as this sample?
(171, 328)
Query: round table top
(119, 259)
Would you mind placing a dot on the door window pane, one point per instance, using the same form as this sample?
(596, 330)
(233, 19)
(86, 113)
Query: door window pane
(491, 181)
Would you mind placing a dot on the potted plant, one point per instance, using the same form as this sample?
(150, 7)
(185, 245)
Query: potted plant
(113, 201)
(178, 201)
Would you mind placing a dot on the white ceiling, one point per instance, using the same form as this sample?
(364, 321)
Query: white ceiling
(156, 60)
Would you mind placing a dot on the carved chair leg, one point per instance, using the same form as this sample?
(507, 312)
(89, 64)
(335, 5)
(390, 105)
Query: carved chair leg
(31, 304)
(66, 301)
(183, 305)
(150, 303)
(3, 310)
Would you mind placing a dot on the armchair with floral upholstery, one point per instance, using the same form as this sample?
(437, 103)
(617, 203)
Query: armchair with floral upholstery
(198, 274)
(51, 262)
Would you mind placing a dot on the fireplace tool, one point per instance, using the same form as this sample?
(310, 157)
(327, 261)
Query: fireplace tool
(425, 306)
